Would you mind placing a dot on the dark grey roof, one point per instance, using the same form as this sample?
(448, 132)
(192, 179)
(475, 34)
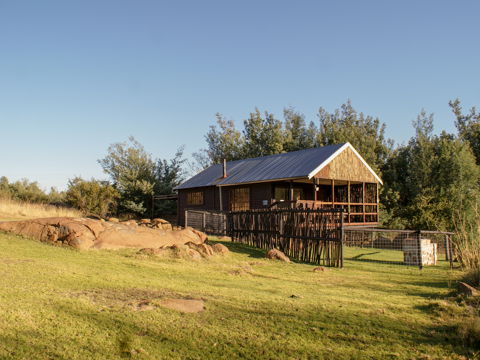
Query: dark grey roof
(294, 164)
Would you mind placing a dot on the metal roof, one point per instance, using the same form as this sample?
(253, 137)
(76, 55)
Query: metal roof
(296, 164)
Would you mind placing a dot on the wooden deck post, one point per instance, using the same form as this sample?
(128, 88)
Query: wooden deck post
(363, 201)
(291, 194)
(220, 198)
(333, 193)
(348, 201)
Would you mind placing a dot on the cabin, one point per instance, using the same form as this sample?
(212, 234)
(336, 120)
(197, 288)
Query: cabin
(324, 177)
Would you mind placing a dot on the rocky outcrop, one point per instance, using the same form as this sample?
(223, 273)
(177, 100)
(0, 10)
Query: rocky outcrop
(84, 233)
(190, 250)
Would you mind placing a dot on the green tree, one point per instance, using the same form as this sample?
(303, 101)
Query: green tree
(365, 133)
(224, 141)
(168, 175)
(297, 135)
(92, 197)
(263, 135)
(132, 171)
(468, 126)
(428, 180)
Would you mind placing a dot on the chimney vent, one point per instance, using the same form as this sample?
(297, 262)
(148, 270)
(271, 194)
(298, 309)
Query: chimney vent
(224, 168)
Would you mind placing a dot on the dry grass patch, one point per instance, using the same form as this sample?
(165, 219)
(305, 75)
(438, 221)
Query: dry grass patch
(21, 210)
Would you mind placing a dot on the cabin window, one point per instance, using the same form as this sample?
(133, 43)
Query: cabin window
(195, 198)
(240, 199)
(282, 193)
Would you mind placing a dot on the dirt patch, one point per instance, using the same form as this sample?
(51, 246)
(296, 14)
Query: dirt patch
(85, 233)
(184, 305)
(140, 299)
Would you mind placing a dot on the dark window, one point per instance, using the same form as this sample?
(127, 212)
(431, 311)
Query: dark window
(240, 199)
(283, 193)
(195, 198)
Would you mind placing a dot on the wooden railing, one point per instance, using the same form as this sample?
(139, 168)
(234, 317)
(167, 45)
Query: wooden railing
(351, 210)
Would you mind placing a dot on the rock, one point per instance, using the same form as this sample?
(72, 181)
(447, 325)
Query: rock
(144, 222)
(129, 223)
(112, 219)
(166, 226)
(319, 269)
(200, 234)
(204, 249)
(275, 254)
(159, 221)
(225, 238)
(83, 233)
(194, 254)
(220, 249)
(467, 290)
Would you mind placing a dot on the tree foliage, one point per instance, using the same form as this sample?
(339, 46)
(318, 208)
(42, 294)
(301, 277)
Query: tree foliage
(365, 133)
(92, 197)
(137, 176)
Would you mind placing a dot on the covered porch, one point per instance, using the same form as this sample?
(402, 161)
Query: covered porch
(360, 200)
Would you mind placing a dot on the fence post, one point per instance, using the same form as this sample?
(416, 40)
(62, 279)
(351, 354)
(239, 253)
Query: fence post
(450, 250)
(447, 248)
(419, 244)
(186, 218)
(342, 237)
(204, 221)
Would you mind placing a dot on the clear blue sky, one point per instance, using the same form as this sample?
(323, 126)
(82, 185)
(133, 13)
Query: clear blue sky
(76, 76)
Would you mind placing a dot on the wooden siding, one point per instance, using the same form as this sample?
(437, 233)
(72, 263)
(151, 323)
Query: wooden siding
(346, 166)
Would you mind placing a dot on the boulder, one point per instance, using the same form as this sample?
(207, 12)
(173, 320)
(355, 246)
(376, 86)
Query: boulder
(220, 249)
(275, 254)
(467, 290)
(204, 249)
(112, 219)
(319, 269)
(159, 221)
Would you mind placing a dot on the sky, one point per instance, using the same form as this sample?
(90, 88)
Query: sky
(77, 76)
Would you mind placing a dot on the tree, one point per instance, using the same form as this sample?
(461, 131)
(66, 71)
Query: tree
(263, 135)
(428, 180)
(365, 133)
(297, 135)
(168, 175)
(223, 142)
(132, 171)
(92, 197)
(468, 126)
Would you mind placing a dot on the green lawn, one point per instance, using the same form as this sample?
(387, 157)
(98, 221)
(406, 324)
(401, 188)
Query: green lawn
(57, 303)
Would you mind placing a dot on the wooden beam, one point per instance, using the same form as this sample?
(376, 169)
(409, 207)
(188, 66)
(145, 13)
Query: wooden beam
(291, 194)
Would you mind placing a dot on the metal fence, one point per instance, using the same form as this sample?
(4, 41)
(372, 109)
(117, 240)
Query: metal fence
(211, 222)
(403, 247)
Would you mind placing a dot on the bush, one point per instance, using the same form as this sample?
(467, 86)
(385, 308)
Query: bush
(92, 197)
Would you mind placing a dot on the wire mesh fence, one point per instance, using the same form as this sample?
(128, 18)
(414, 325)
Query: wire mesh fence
(211, 222)
(403, 247)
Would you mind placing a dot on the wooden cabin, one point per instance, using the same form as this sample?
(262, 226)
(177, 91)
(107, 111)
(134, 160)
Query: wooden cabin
(324, 177)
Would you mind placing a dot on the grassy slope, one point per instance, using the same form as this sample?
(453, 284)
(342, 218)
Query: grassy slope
(60, 303)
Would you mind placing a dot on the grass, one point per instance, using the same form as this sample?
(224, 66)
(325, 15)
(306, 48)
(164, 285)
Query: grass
(57, 303)
(19, 210)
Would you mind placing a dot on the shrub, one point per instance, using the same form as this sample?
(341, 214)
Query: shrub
(92, 197)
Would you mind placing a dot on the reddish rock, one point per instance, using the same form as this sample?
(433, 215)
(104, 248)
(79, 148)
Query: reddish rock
(275, 254)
